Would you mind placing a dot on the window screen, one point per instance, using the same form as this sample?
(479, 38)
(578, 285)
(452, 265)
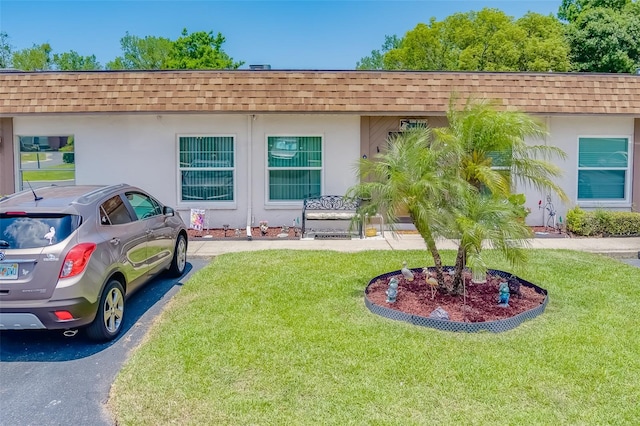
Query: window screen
(603, 167)
(207, 168)
(295, 167)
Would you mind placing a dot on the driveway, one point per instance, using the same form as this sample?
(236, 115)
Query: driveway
(49, 379)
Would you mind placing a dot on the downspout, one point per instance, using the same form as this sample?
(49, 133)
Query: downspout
(250, 119)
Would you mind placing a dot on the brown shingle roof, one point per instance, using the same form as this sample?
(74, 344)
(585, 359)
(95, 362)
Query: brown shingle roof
(357, 92)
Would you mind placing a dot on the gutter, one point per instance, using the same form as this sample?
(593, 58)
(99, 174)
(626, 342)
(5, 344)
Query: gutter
(250, 119)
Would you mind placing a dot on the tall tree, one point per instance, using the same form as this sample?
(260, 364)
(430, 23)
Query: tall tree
(148, 53)
(200, 50)
(73, 61)
(605, 39)
(5, 50)
(542, 45)
(376, 60)
(486, 40)
(36, 58)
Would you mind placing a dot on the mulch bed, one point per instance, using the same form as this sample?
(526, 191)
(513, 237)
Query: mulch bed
(478, 304)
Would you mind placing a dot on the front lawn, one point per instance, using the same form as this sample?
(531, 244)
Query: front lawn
(283, 338)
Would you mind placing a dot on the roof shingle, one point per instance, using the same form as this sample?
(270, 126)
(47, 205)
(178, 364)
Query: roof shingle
(356, 92)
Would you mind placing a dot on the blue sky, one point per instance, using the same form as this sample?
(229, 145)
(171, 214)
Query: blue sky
(295, 34)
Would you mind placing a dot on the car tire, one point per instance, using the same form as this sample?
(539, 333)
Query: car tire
(179, 261)
(110, 316)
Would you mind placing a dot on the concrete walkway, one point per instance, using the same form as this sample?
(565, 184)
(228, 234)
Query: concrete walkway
(623, 248)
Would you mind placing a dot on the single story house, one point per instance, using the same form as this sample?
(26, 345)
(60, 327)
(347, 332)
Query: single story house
(250, 145)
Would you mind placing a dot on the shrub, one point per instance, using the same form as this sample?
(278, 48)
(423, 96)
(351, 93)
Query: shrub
(68, 157)
(602, 222)
(623, 224)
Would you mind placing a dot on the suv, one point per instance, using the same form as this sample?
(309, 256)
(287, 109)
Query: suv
(71, 255)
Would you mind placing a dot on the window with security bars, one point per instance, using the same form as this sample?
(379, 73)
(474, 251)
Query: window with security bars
(207, 168)
(603, 169)
(294, 166)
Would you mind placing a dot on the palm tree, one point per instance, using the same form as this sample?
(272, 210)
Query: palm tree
(494, 155)
(457, 182)
(409, 177)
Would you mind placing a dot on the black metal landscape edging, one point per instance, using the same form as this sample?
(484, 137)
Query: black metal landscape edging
(456, 326)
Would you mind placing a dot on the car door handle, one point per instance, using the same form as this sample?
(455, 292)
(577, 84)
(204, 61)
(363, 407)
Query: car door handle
(115, 241)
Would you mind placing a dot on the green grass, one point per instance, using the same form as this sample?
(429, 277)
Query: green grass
(283, 337)
(50, 173)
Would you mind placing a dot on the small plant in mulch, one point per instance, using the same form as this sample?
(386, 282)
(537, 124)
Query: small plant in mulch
(479, 303)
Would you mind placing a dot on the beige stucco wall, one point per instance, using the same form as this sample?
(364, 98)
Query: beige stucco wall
(142, 150)
(564, 132)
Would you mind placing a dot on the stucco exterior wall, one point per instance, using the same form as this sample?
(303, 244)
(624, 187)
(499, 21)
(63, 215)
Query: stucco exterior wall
(142, 150)
(564, 132)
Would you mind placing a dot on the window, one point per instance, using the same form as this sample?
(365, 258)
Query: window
(35, 230)
(114, 212)
(207, 168)
(143, 205)
(294, 166)
(603, 169)
(46, 160)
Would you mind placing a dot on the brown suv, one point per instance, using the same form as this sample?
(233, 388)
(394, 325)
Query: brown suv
(71, 255)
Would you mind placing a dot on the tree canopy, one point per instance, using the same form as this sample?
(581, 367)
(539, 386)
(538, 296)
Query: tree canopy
(36, 58)
(148, 53)
(487, 40)
(200, 50)
(73, 61)
(604, 35)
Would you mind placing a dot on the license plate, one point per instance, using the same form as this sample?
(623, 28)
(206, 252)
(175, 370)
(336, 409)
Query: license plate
(8, 271)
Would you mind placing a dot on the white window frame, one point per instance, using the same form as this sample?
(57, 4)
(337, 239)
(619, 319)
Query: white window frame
(613, 203)
(20, 182)
(289, 203)
(209, 204)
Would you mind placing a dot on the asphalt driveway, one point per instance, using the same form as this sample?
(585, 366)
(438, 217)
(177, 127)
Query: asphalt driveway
(49, 379)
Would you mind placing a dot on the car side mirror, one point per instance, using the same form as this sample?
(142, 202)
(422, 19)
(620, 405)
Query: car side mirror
(168, 211)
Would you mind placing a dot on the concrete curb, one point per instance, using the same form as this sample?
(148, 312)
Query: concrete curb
(620, 248)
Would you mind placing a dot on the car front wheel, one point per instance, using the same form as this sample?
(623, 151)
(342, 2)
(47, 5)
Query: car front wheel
(110, 316)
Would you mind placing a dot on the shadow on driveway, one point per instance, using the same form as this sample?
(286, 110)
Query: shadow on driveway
(52, 345)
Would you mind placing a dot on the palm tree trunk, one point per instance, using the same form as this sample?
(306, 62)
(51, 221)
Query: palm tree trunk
(457, 277)
(437, 260)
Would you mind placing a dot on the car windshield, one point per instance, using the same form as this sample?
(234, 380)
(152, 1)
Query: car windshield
(23, 231)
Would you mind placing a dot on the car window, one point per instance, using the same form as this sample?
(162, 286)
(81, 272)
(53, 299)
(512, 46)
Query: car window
(143, 205)
(114, 212)
(22, 231)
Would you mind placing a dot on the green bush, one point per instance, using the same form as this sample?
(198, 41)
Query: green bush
(68, 157)
(602, 222)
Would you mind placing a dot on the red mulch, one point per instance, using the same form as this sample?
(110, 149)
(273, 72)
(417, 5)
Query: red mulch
(479, 304)
(273, 233)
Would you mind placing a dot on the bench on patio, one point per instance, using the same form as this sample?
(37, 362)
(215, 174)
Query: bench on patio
(330, 208)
